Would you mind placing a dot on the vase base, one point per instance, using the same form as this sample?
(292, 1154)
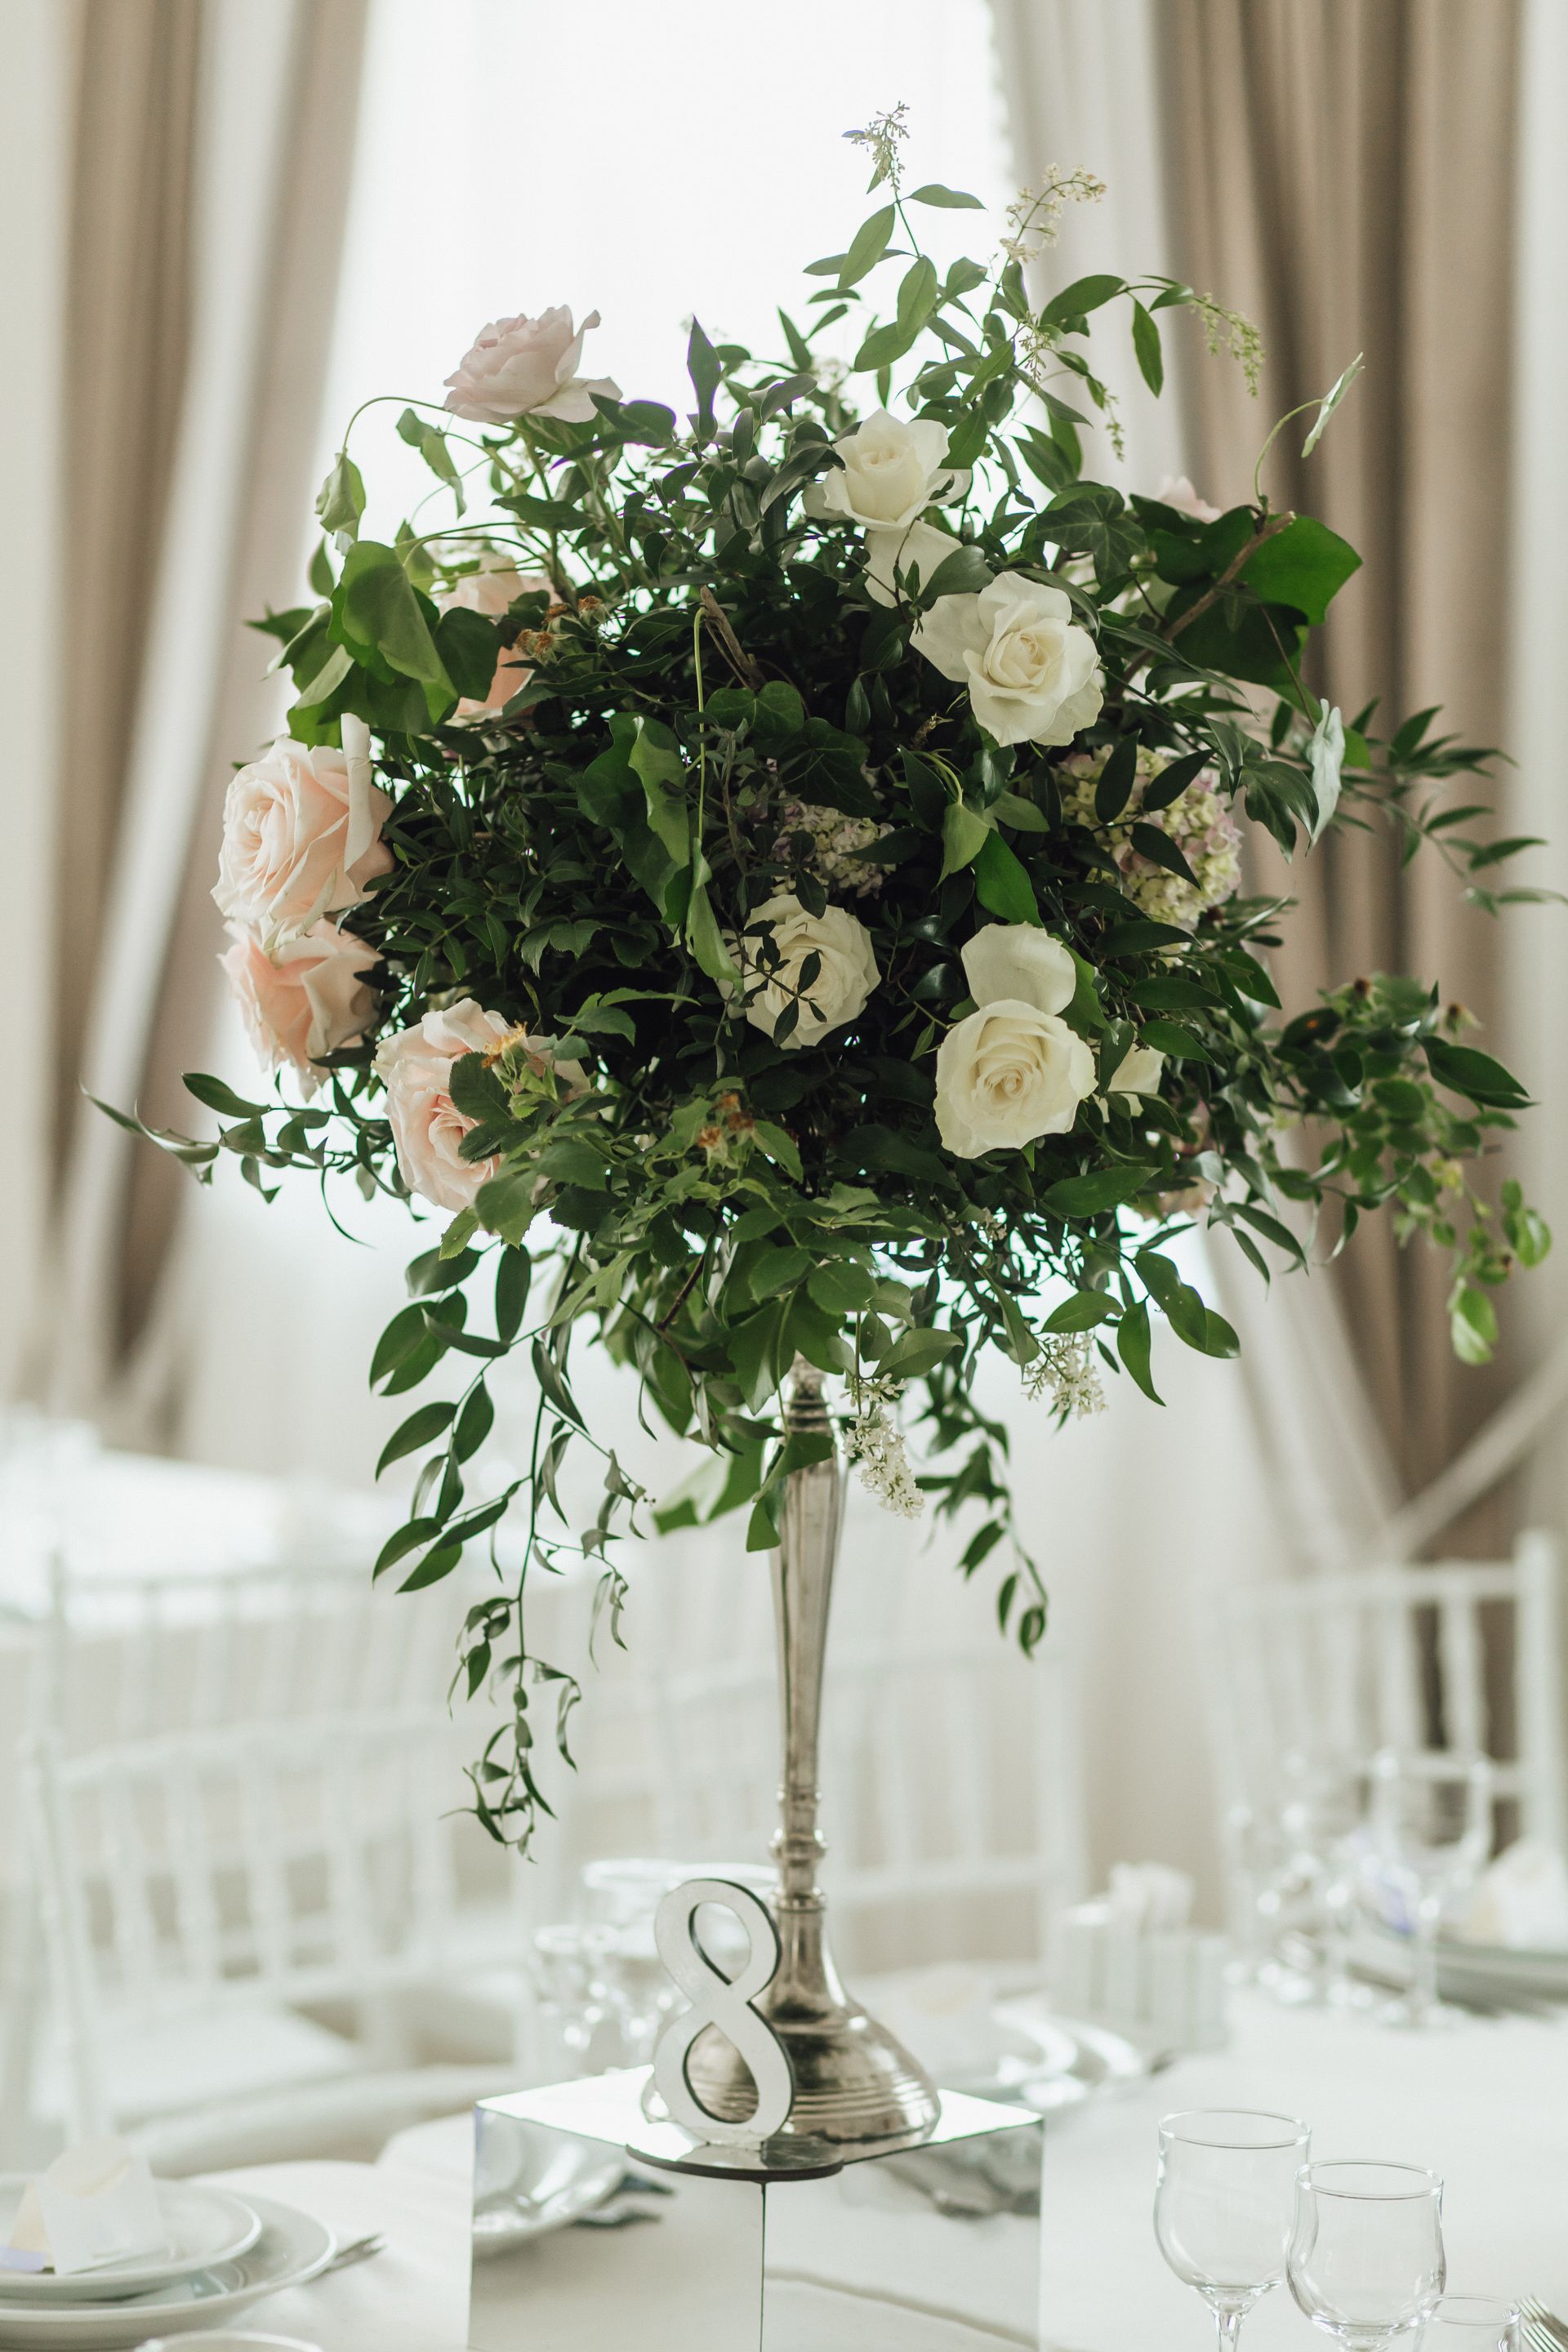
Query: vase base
(857, 2089)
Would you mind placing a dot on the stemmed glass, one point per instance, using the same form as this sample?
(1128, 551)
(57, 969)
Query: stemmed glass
(1472, 2322)
(1366, 2256)
(1224, 2204)
(1428, 1835)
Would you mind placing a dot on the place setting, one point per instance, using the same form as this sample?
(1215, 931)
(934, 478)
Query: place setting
(98, 2254)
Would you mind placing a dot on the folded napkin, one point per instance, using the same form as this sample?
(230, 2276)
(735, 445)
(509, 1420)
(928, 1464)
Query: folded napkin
(95, 2204)
(1149, 1895)
(1521, 1900)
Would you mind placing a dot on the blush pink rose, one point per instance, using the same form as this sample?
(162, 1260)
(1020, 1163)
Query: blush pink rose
(492, 590)
(528, 367)
(416, 1067)
(306, 999)
(301, 836)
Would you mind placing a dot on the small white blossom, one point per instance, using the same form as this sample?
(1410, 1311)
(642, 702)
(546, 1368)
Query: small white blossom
(875, 1446)
(1066, 1372)
(824, 841)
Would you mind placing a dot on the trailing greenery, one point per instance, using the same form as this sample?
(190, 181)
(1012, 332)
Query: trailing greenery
(716, 709)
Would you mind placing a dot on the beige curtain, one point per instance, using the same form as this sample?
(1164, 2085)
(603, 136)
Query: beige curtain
(1342, 170)
(208, 179)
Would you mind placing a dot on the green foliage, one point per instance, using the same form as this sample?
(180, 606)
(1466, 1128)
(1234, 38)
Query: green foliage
(718, 1195)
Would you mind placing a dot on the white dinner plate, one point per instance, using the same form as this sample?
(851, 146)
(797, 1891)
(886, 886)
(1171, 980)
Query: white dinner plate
(291, 2249)
(1466, 1972)
(203, 2226)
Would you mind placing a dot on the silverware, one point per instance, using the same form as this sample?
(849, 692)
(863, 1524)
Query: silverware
(358, 2250)
(1543, 2330)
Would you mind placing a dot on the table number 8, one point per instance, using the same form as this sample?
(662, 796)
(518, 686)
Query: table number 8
(726, 2003)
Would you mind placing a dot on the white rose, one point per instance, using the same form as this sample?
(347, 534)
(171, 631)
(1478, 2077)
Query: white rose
(528, 367)
(892, 471)
(1015, 960)
(1033, 674)
(1007, 1075)
(847, 975)
(492, 590)
(918, 547)
(301, 836)
(1137, 1072)
(415, 1067)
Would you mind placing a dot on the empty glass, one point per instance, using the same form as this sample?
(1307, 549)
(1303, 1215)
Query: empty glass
(1472, 2322)
(1366, 2257)
(1428, 1835)
(1224, 2204)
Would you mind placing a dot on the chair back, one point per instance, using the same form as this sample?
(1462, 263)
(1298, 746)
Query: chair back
(126, 1656)
(1399, 1657)
(262, 1864)
(951, 1802)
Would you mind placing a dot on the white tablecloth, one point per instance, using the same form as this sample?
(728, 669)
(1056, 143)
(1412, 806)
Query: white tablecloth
(1487, 2106)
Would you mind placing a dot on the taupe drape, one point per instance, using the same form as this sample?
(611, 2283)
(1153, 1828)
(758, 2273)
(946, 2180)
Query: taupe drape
(127, 333)
(1342, 172)
(213, 150)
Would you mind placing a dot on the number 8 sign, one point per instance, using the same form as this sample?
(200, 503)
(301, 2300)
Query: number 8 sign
(725, 2003)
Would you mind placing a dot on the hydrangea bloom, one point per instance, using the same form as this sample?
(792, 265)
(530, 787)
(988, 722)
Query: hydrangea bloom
(1198, 822)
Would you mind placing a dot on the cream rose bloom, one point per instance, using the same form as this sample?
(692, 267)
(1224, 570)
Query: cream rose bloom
(1007, 1075)
(1018, 961)
(1033, 674)
(891, 472)
(849, 967)
(528, 367)
(415, 1067)
(1137, 1072)
(306, 999)
(301, 836)
(492, 590)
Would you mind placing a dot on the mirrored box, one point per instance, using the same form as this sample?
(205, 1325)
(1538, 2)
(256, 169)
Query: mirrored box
(936, 2243)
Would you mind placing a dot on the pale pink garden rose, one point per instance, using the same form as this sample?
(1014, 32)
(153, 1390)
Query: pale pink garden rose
(492, 590)
(1177, 491)
(301, 836)
(306, 999)
(528, 367)
(415, 1067)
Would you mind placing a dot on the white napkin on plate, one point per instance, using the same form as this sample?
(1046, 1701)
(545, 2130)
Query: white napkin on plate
(96, 2204)
(1521, 1900)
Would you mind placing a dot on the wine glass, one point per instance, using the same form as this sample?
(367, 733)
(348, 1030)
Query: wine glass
(1224, 2204)
(1472, 2322)
(1366, 2256)
(1428, 1835)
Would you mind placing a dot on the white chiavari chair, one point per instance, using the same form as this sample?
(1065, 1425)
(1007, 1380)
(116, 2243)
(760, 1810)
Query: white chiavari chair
(204, 1889)
(1400, 1657)
(951, 1811)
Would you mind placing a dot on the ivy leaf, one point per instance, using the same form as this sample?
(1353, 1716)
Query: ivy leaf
(1002, 885)
(1135, 1347)
(866, 247)
(706, 370)
(963, 836)
(1147, 350)
(340, 502)
(948, 199)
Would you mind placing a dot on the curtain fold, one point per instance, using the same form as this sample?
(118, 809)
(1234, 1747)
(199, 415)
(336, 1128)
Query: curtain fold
(1343, 171)
(1085, 82)
(221, 134)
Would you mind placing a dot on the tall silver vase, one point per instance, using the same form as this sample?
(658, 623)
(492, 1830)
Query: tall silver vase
(855, 2088)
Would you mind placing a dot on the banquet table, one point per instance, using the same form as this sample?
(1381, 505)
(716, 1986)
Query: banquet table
(1486, 2106)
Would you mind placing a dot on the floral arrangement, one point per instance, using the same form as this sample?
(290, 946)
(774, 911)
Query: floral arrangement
(769, 883)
